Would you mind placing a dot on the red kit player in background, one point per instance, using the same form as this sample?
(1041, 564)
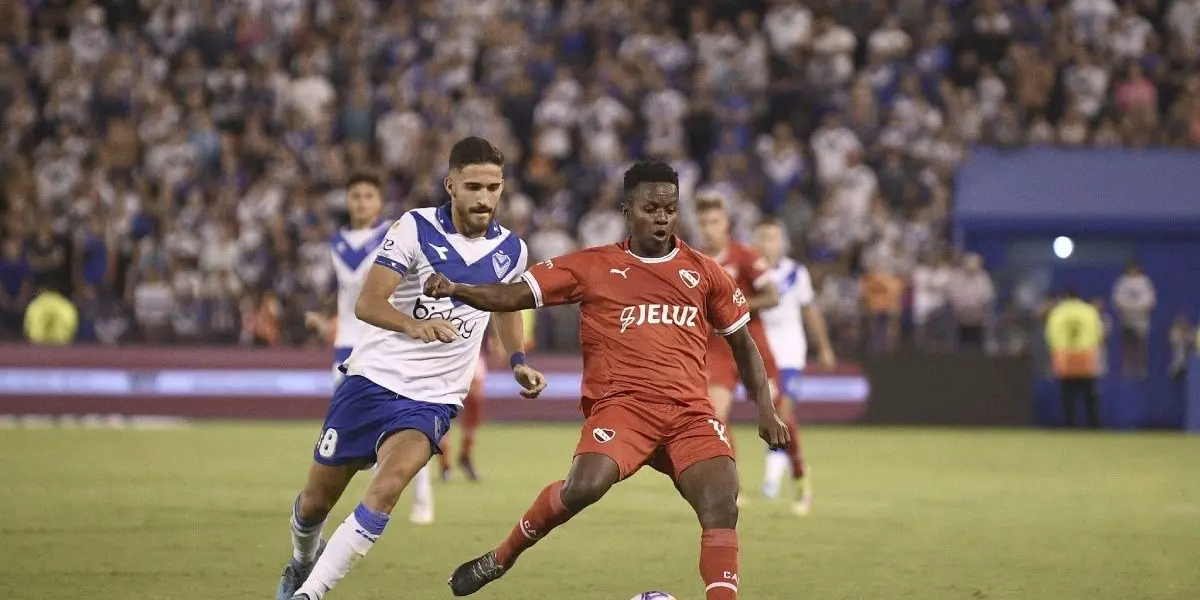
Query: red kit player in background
(647, 307)
(753, 275)
(469, 420)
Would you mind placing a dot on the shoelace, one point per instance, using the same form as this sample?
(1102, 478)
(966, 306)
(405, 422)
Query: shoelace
(488, 568)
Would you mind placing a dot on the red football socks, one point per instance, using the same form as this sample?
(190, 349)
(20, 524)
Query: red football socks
(444, 454)
(719, 564)
(546, 513)
(472, 412)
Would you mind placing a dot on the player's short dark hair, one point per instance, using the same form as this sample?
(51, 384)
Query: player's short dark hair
(649, 171)
(475, 150)
(364, 177)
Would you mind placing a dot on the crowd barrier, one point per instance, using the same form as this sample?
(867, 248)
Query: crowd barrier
(285, 383)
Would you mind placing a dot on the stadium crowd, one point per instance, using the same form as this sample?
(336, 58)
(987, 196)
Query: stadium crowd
(174, 168)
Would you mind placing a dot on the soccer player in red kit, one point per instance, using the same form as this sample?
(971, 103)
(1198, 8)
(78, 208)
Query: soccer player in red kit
(647, 307)
(753, 276)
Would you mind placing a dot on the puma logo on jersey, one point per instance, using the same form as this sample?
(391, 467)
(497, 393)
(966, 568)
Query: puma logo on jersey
(624, 273)
(441, 250)
(658, 314)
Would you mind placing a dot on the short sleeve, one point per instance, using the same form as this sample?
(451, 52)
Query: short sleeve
(804, 286)
(756, 269)
(727, 306)
(400, 246)
(522, 264)
(558, 280)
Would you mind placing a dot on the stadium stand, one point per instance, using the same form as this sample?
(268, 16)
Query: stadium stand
(174, 168)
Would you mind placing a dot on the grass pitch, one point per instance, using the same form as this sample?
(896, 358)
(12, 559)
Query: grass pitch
(913, 514)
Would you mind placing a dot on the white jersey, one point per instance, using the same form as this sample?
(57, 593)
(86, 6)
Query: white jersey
(783, 322)
(419, 244)
(353, 254)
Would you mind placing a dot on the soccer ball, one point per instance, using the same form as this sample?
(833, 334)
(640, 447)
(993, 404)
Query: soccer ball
(653, 596)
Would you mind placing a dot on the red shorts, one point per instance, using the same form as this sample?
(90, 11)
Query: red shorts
(670, 438)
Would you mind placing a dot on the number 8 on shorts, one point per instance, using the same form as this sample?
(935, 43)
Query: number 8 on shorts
(327, 447)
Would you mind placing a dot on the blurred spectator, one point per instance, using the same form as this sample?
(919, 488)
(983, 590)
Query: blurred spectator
(932, 319)
(840, 300)
(153, 306)
(1106, 322)
(602, 224)
(1184, 339)
(51, 318)
(971, 294)
(882, 292)
(16, 288)
(1134, 298)
(46, 252)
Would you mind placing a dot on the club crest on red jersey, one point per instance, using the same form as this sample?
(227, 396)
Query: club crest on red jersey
(603, 435)
(690, 278)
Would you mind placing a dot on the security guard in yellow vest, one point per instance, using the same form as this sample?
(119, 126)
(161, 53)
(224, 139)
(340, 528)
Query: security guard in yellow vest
(1075, 334)
(51, 319)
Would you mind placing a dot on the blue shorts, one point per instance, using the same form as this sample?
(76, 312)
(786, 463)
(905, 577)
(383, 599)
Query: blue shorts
(789, 382)
(363, 414)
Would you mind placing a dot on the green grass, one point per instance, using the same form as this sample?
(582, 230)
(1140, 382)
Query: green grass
(900, 514)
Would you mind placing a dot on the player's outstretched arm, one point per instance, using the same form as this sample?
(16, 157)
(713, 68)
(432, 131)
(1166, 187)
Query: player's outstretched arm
(496, 297)
(754, 374)
(374, 308)
(816, 324)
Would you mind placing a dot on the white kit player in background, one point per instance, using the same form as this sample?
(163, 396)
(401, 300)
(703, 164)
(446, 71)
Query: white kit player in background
(410, 369)
(785, 334)
(353, 250)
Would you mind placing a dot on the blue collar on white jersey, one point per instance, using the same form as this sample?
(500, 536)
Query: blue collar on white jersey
(443, 217)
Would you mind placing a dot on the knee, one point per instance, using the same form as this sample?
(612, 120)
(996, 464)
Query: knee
(582, 490)
(717, 510)
(314, 504)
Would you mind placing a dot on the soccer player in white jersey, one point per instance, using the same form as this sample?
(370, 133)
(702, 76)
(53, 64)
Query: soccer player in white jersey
(411, 367)
(353, 250)
(785, 335)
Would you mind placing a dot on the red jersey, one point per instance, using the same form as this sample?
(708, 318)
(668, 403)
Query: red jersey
(751, 272)
(644, 322)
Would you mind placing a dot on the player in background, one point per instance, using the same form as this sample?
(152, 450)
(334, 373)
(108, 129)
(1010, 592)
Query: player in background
(410, 369)
(647, 307)
(353, 250)
(471, 418)
(785, 334)
(751, 274)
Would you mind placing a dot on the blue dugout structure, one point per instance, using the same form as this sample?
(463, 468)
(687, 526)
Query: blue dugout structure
(1114, 206)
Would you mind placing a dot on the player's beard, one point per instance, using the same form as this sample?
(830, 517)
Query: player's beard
(477, 219)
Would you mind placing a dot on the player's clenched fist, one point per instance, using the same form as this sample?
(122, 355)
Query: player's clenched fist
(431, 330)
(773, 430)
(438, 286)
(532, 382)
